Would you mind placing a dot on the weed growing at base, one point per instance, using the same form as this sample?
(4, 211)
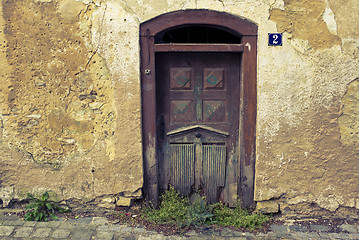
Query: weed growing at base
(41, 208)
(177, 210)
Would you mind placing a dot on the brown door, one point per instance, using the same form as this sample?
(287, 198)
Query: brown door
(197, 114)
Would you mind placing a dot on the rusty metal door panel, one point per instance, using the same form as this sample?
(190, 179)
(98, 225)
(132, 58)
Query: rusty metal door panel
(181, 166)
(214, 170)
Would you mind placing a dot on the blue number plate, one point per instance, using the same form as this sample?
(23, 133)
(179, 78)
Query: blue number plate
(274, 39)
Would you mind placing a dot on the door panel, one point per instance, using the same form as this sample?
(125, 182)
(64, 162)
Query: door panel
(181, 167)
(214, 163)
(198, 120)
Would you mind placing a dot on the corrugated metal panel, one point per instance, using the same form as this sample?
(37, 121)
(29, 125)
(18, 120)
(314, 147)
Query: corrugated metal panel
(214, 163)
(182, 167)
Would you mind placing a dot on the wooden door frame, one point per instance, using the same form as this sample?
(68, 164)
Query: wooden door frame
(248, 83)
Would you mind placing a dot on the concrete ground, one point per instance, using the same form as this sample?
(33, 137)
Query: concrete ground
(86, 228)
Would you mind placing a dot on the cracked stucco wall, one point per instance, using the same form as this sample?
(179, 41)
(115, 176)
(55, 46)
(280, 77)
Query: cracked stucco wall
(70, 97)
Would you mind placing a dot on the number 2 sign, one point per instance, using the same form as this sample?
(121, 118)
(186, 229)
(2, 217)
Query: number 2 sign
(274, 39)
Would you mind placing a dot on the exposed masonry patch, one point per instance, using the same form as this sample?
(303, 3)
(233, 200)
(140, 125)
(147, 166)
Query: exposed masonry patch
(60, 101)
(349, 118)
(317, 25)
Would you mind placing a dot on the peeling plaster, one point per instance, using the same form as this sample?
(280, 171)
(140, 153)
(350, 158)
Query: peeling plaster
(329, 19)
(70, 9)
(91, 120)
(278, 4)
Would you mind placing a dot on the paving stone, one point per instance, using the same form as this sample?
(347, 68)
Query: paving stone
(195, 238)
(80, 225)
(117, 228)
(275, 238)
(99, 221)
(248, 234)
(9, 217)
(125, 236)
(151, 232)
(354, 236)
(340, 235)
(278, 228)
(23, 232)
(313, 235)
(127, 229)
(61, 233)
(179, 238)
(158, 237)
(298, 228)
(65, 225)
(306, 235)
(102, 228)
(238, 234)
(213, 233)
(41, 232)
(278, 235)
(324, 235)
(29, 223)
(260, 235)
(349, 228)
(82, 234)
(6, 230)
(54, 224)
(319, 228)
(104, 236)
(13, 223)
(42, 224)
(85, 220)
(91, 227)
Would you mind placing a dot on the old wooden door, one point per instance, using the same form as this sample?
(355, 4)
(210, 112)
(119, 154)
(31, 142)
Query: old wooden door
(198, 86)
(197, 97)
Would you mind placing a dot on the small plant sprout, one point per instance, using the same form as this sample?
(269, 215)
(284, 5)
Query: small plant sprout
(42, 208)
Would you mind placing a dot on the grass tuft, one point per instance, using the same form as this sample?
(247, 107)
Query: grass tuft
(181, 212)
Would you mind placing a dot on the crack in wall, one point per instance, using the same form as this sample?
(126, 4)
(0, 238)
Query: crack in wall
(222, 2)
(94, 52)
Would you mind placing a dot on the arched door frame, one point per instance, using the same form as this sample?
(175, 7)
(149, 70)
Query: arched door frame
(248, 47)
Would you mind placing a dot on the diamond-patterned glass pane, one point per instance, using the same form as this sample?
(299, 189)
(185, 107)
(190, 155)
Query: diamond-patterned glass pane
(213, 78)
(181, 79)
(181, 111)
(214, 111)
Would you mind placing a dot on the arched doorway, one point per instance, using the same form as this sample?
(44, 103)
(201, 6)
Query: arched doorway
(198, 85)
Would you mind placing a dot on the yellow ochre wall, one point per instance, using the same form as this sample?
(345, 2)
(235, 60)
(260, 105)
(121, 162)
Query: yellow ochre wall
(70, 103)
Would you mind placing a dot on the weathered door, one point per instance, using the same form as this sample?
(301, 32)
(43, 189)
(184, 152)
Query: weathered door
(197, 97)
